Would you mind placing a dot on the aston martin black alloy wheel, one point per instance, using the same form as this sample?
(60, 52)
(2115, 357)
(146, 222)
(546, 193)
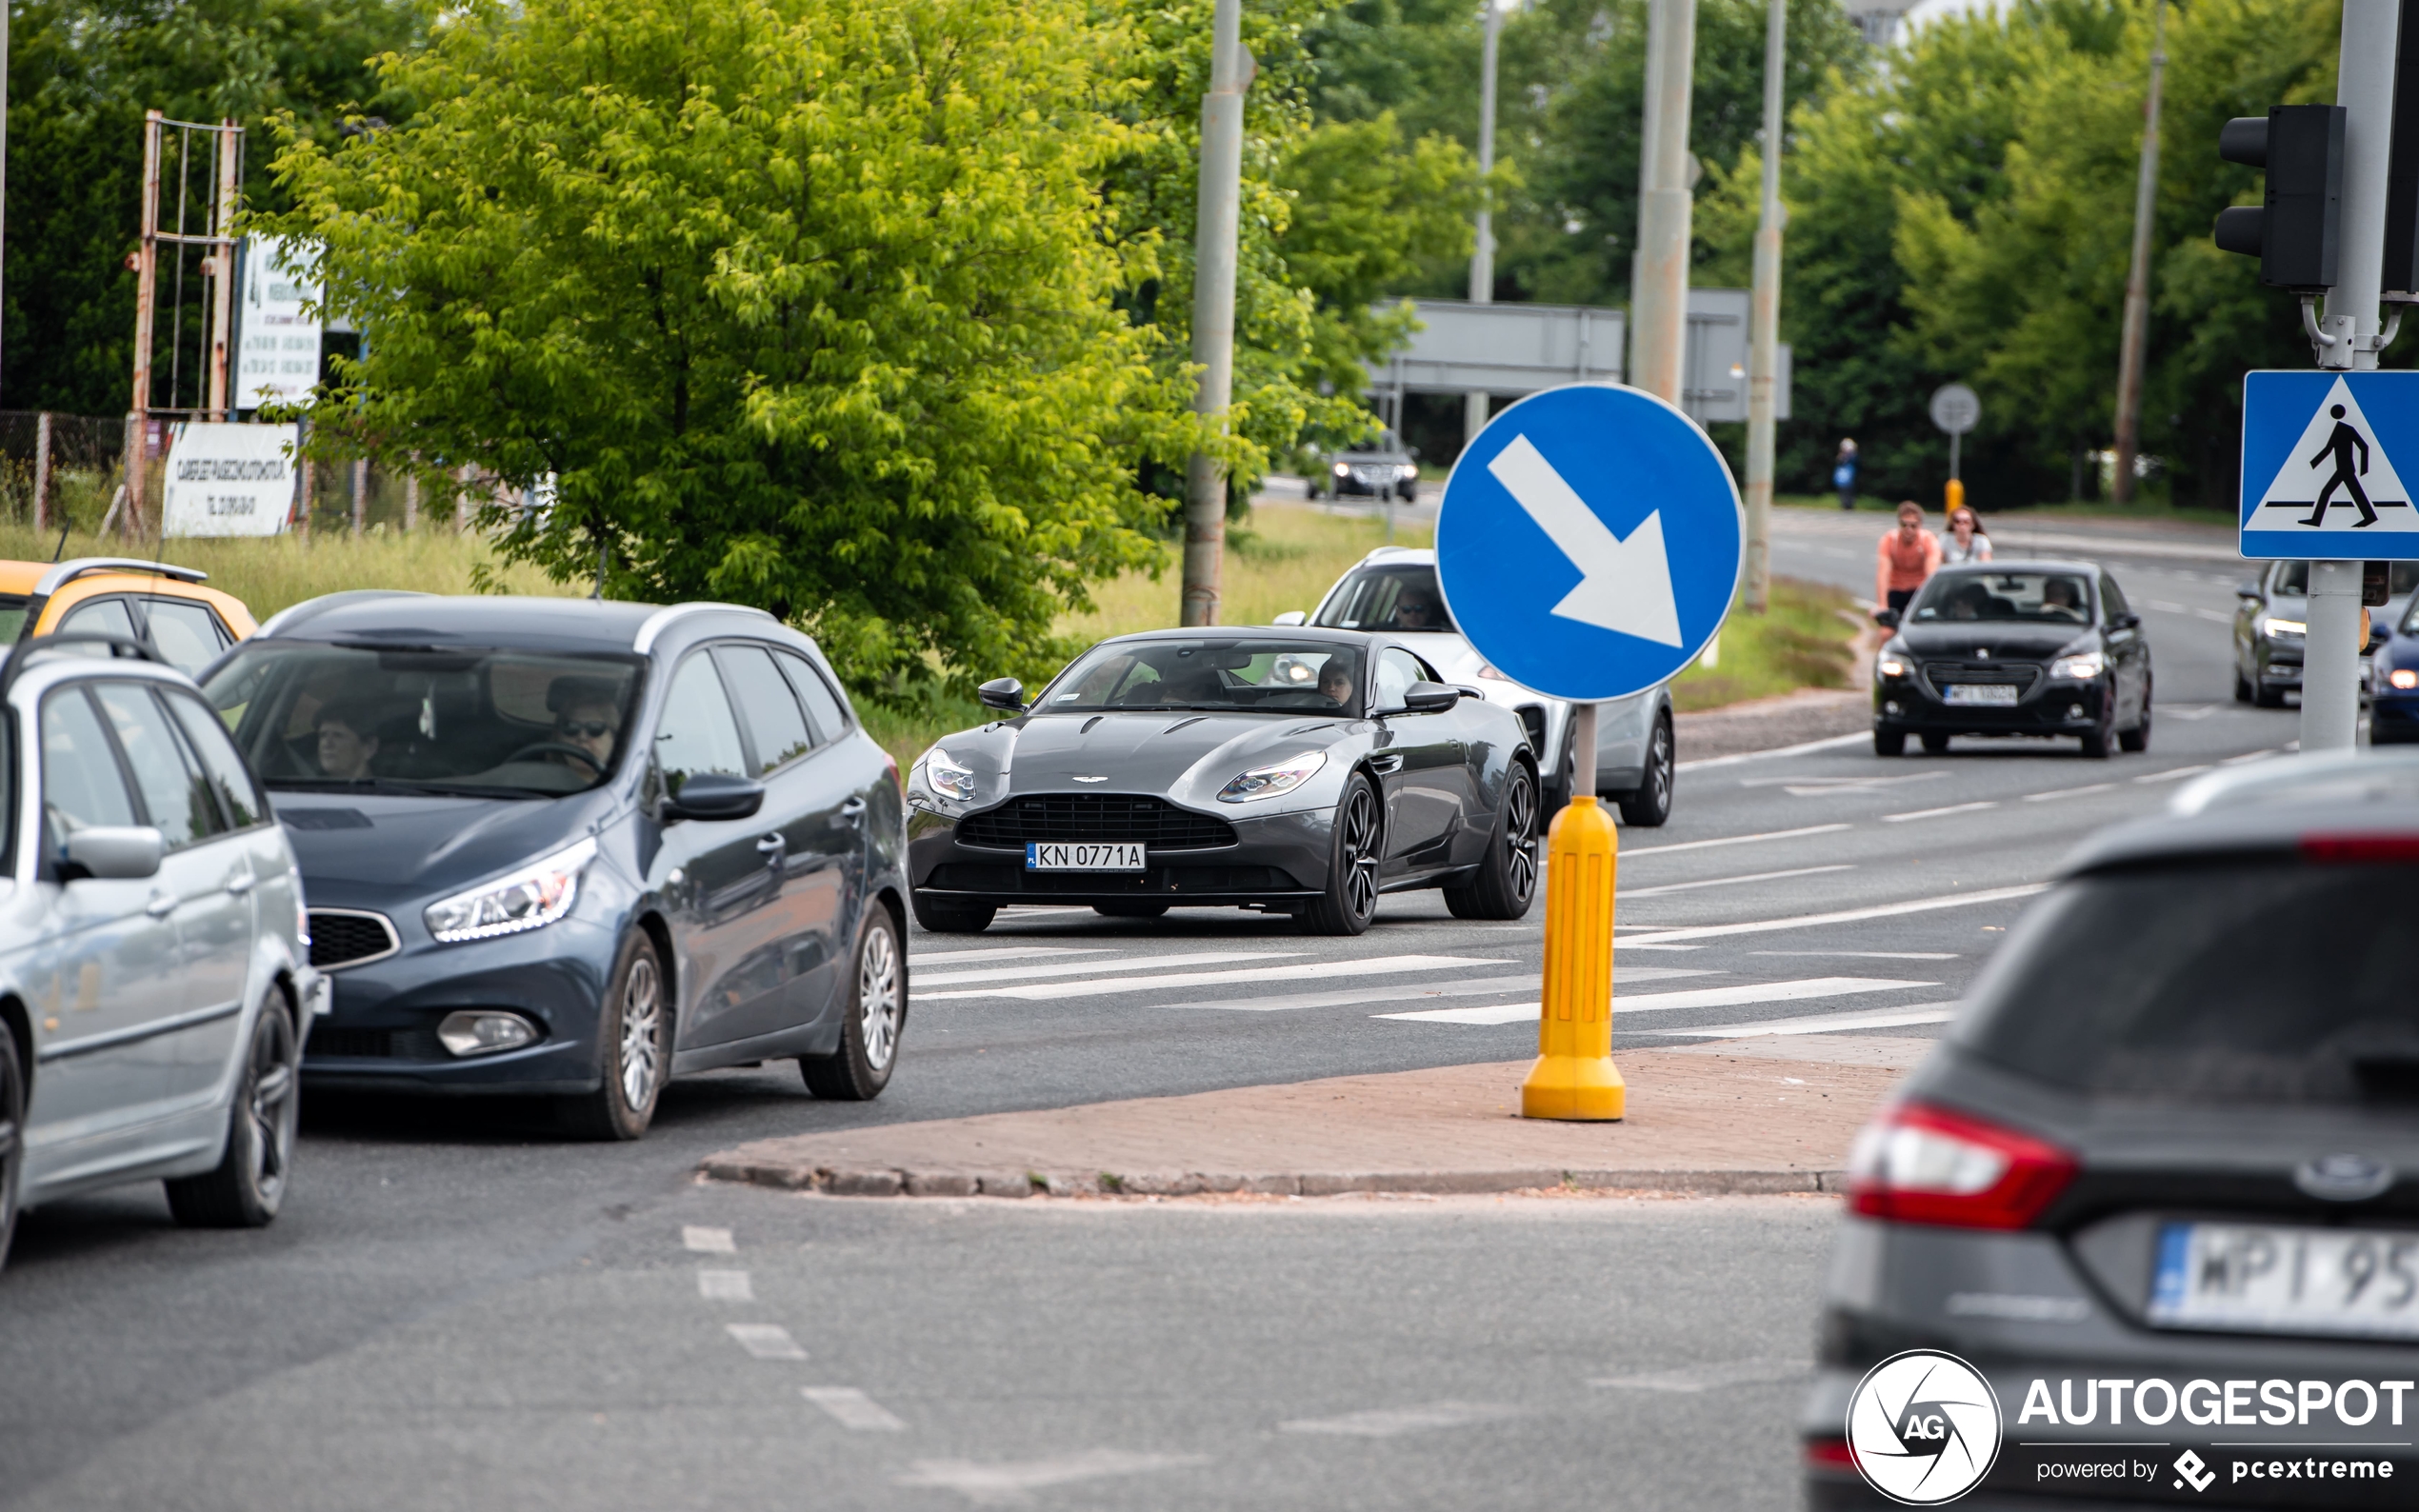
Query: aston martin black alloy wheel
(1651, 805)
(1351, 900)
(1506, 880)
(249, 1184)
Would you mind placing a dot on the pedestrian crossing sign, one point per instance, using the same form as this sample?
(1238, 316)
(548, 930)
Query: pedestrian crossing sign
(2319, 480)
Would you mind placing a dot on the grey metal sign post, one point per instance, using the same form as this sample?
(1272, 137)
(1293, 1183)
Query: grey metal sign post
(1956, 409)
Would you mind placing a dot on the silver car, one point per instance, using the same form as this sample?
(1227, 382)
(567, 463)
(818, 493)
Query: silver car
(155, 983)
(1394, 588)
(2269, 612)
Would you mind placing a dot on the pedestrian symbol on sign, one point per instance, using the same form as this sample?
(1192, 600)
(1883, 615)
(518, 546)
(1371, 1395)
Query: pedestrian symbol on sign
(2340, 463)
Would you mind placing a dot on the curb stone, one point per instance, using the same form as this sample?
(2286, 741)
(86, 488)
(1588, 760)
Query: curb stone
(830, 1181)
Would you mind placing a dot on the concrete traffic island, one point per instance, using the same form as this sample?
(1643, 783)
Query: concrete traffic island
(1742, 1116)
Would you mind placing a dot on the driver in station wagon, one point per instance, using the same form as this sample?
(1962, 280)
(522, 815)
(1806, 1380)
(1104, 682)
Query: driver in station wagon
(587, 717)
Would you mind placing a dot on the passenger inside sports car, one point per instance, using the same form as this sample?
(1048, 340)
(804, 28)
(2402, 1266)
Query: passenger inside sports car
(1210, 675)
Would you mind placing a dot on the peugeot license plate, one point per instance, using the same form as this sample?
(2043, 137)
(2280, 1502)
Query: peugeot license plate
(2258, 1278)
(1082, 857)
(1980, 692)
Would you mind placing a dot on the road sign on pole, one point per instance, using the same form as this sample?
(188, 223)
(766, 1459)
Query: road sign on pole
(1956, 409)
(1588, 542)
(1589, 545)
(2319, 475)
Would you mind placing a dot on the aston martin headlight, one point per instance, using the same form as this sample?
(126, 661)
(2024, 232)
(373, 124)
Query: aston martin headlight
(530, 898)
(1267, 781)
(947, 778)
(2079, 668)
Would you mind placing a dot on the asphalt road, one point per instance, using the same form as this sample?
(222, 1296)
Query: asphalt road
(458, 1309)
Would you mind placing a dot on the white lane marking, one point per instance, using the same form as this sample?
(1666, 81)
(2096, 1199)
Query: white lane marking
(1004, 953)
(707, 1240)
(1306, 971)
(1727, 882)
(1814, 785)
(1630, 854)
(2070, 792)
(765, 1341)
(1828, 743)
(2167, 606)
(2214, 616)
(1035, 908)
(725, 1285)
(1012, 1484)
(1867, 955)
(2248, 756)
(1730, 997)
(1821, 1022)
(1386, 1422)
(1077, 968)
(1935, 813)
(1708, 1378)
(1527, 982)
(1808, 921)
(851, 1408)
(2172, 775)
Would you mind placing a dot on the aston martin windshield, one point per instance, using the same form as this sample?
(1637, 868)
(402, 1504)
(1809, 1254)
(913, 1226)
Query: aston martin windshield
(2038, 598)
(1213, 675)
(495, 722)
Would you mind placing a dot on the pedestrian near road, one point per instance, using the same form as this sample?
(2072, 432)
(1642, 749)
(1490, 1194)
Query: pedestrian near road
(1844, 474)
(1965, 540)
(1909, 555)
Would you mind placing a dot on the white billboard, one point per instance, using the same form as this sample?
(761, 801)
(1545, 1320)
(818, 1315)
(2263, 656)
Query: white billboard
(228, 480)
(277, 346)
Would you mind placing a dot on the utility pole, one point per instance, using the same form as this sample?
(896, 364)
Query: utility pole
(4, 136)
(1213, 259)
(1763, 320)
(2365, 87)
(1659, 316)
(139, 420)
(1481, 252)
(2137, 282)
(221, 255)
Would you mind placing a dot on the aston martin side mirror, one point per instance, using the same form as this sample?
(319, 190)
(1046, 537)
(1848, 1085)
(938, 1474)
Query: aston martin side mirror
(1427, 698)
(1003, 693)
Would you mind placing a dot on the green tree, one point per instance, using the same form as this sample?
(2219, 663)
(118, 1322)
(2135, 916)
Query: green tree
(806, 303)
(81, 74)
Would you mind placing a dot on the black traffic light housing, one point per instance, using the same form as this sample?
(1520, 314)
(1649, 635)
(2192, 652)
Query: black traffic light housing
(2297, 231)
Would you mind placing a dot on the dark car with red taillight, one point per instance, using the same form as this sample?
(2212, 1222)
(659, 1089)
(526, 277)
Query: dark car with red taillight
(2159, 1185)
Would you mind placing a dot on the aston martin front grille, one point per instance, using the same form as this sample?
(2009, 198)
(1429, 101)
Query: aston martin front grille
(1102, 817)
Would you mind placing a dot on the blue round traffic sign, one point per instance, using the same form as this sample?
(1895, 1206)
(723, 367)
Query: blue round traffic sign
(1589, 542)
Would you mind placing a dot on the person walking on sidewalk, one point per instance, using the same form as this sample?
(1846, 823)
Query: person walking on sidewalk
(1909, 555)
(1965, 540)
(1843, 473)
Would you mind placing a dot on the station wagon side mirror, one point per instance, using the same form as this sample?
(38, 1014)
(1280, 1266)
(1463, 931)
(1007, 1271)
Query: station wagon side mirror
(2125, 622)
(716, 795)
(2248, 588)
(112, 853)
(1886, 619)
(1291, 617)
(1427, 698)
(1003, 693)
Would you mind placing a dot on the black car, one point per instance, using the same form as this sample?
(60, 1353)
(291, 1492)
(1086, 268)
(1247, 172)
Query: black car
(2159, 1185)
(2040, 648)
(1290, 770)
(573, 848)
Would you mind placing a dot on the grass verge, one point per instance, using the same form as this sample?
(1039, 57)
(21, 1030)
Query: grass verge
(1801, 641)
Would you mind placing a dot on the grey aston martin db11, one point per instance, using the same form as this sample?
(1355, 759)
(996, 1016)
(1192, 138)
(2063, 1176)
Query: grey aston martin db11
(1287, 771)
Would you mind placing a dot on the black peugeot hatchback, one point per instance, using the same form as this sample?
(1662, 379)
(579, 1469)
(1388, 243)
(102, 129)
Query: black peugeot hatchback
(2039, 647)
(573, 848)
(2156, 1195)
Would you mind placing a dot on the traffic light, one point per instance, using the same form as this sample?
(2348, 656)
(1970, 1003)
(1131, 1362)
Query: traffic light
(2295, 232)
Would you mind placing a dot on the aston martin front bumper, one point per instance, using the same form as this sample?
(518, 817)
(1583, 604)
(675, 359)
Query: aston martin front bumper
(1275, 858)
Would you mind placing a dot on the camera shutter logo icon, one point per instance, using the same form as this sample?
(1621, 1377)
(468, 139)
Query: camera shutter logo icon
(1923, 1428)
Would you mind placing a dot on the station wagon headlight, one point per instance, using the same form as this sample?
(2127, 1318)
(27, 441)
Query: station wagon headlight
(2272, 627)
(947, 777)
(530, 898)
(1268, 782)
(2079, 668)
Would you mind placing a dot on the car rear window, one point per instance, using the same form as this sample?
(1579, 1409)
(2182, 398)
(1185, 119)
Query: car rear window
(2229, 982)
(1387, 598)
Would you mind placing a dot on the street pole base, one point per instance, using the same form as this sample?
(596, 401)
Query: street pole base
(1579, 1089)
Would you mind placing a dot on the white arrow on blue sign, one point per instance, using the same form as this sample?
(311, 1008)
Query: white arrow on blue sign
(1589, 542)
(2319, 479)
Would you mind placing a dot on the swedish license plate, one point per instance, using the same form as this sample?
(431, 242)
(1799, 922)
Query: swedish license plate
(2256, 1278)
(1055, 856)
(1980, 692)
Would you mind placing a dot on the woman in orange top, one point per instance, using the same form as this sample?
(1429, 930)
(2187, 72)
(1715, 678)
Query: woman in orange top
(1909, 555)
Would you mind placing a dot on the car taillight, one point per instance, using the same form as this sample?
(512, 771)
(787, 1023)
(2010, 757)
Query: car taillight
(2360, 849)
(1916, 1164)
(1830, 1454)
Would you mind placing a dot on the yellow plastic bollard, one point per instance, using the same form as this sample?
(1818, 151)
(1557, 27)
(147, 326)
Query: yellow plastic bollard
(1575, 1077)
(1956, 495)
